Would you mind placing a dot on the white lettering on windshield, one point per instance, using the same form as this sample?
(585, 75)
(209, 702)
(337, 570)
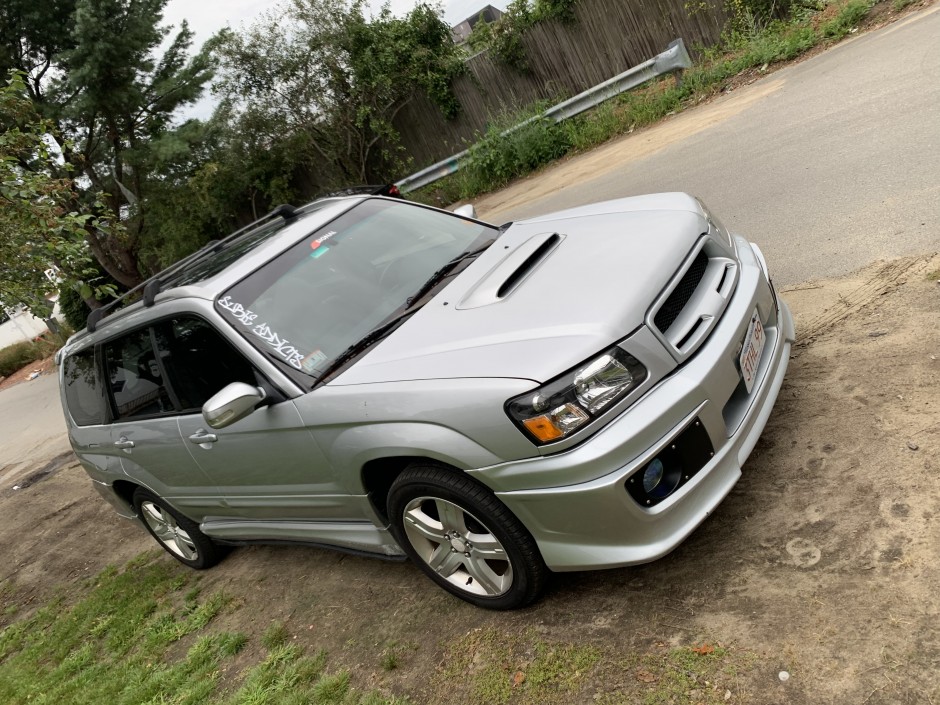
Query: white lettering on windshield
(281, 346)
(238, 311)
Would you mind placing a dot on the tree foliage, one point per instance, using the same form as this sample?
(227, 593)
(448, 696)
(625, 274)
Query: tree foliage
(317, 86)
(39, 225)
(308, 102)
(92, 70)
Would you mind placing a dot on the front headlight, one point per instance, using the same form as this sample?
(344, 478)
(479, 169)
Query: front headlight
(559, 408)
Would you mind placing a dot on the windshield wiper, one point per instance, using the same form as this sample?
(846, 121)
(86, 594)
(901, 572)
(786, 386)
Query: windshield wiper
(370, 338)
(441, 273)
(381, 331)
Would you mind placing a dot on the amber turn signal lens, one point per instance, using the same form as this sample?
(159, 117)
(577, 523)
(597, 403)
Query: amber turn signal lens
(543, 429)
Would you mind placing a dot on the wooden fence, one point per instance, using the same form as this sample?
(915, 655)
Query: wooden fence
(606, 38)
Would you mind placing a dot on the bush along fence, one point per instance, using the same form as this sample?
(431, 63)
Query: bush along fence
(604, 39)
(674, 60)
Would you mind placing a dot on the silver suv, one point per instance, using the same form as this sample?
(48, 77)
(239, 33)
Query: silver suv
(570, 392)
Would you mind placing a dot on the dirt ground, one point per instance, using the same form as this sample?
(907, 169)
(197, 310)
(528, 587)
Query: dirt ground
(822, 562)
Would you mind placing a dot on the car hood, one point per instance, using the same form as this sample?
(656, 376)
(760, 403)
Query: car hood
(549, 294)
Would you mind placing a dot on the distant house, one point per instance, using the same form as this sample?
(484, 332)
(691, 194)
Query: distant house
(462, 31)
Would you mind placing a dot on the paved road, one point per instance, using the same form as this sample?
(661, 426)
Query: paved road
(32, 427)
(828, 164)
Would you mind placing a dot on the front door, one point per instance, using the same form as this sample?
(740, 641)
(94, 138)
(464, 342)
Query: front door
(268, 465)
(145, 432)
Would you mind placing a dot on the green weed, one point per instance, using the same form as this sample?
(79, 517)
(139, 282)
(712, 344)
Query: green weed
(498, 667)
(275, 635)
(848, 17)
(116, 644)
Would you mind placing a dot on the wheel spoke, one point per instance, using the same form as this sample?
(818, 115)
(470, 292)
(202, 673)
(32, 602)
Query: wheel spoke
(168, 532)
(152, 511)
(164, 533)
(488, 548)
(451, 516)
(480, 570)
(424, 525)
(185, 545)
(444, 561)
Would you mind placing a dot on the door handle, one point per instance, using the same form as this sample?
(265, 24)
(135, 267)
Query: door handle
(202, 437)
(123, 443)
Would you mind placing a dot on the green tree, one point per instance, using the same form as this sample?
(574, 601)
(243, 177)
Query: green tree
(314, 107)
(38, 226)
(92, 70)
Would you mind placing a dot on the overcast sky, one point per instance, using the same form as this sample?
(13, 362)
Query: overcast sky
(206, 17)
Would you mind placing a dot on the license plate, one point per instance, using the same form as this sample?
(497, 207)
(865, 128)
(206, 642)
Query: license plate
(751, 352)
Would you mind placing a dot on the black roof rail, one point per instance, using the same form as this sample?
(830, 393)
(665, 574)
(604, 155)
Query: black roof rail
(152, 286)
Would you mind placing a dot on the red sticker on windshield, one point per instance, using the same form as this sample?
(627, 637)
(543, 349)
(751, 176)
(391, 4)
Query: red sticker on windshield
(319, 241)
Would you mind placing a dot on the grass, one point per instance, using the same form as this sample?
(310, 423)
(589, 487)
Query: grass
(497, 667)
(508, 667)
(144, 635)
(696, 675)
(495, 160)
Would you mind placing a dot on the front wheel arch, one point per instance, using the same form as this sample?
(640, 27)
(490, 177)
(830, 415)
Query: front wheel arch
(378, 476)
(464, 538)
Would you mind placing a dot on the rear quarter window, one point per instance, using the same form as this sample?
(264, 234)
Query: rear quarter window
(83, 392)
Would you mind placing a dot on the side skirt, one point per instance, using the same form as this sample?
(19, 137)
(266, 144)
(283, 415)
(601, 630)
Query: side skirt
(360, 538)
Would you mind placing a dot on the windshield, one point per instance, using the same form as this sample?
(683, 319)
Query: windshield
(311, 303)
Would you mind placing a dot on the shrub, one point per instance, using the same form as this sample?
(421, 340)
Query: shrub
(73, 307)
(497, 158)
(17, 356)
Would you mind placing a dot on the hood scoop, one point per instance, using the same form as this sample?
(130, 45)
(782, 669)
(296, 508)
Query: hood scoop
(511, 271)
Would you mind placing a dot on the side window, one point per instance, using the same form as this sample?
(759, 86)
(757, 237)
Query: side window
(135, 379)
(199, 361)
(83, 393)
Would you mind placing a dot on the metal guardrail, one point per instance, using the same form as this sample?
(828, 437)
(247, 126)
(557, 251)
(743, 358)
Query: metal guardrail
(674, 60)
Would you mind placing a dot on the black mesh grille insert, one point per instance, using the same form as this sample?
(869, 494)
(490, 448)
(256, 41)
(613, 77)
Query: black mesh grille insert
(680, 296)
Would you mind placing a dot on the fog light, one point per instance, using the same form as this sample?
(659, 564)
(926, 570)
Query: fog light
(676, 462)
(660, 479)
(653, 475)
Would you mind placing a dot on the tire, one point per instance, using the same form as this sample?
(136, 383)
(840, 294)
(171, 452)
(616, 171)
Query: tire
(464, 538)
(179, 536)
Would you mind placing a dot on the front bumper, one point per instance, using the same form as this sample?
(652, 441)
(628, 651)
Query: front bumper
(596, 523)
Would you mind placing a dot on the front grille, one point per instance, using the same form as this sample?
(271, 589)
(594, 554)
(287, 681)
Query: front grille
(680, 296)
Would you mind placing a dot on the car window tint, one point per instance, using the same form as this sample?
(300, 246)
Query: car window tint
(83, 389)
(135, 380)
(199, 361)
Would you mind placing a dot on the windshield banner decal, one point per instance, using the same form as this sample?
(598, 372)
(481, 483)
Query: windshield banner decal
(281, 346)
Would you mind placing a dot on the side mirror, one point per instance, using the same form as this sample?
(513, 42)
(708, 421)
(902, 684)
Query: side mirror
(232, 404)
(467, 211)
